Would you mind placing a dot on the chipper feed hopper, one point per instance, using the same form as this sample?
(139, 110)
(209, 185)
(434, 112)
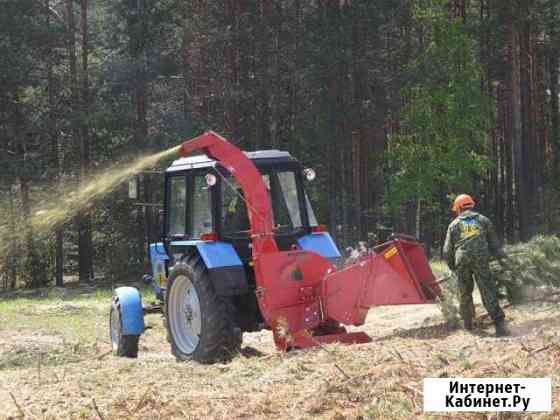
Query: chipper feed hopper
(241, 251)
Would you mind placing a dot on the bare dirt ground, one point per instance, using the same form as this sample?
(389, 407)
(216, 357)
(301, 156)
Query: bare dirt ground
(55, 363)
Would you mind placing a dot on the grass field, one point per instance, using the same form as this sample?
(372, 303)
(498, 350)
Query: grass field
(55, 363)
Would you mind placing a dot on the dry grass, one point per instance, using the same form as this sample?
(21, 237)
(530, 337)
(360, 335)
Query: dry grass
(54, 361)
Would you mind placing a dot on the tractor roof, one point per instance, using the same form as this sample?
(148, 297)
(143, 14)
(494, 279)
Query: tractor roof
(202, 161)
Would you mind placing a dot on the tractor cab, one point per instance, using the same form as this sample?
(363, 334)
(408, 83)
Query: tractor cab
(203, 202)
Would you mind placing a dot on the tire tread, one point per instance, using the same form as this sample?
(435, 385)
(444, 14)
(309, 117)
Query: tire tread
(220, 338)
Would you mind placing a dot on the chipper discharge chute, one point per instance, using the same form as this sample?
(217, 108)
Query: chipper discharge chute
(242, 251)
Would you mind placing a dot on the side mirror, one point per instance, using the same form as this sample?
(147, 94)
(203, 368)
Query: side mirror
(133, 188)
(309, 174)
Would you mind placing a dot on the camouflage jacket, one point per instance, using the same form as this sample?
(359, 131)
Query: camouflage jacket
(470, 236)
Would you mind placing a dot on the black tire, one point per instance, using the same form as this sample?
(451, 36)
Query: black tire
(123, 345)
(220, 337)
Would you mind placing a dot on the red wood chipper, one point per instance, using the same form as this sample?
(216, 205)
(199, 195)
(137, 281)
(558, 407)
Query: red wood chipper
(241, 250)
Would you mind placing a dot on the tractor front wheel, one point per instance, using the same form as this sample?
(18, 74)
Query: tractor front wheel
(200, 324)
(123, 345)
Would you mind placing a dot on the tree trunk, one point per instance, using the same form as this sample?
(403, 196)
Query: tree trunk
(85, 247)
(498, 172)
(418, 230)
(541, 133)
(71, 45)
(187, 69)
(555, 112)
(526, 197)
(360, 124)
(331, 99)
(13, 250)
(518, 160)
(140, 55)
(55, 154)
(33, 272)
(232, 103)
(33, 281)
(74, 105)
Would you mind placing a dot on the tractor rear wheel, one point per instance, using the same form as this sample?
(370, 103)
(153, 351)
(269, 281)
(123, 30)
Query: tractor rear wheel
(200, 324)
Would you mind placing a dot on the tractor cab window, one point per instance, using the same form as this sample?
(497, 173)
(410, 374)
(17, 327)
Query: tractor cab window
(201, 221)
(284, 196)
(285, 201)
(235, 218)
(177, 206)
(310, 212)
(189, 212)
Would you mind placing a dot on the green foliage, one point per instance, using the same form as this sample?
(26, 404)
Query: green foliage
(117, 256)
(530, 265)
(448, 303)
(445, 118)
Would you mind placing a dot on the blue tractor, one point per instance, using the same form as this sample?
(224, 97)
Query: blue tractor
(202, 269)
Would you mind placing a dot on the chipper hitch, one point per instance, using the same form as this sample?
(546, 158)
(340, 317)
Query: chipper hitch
(302, 297)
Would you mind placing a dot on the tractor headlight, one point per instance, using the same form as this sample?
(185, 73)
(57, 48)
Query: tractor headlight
(211, 180)
(309, 174)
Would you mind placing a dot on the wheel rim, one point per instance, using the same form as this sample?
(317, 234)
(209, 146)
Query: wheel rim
(115, 327)
(184, 314)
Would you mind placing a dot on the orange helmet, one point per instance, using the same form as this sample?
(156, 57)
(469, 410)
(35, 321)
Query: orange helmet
(462, 201)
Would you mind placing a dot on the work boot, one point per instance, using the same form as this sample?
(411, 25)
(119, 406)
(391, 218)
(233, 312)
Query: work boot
(501, 329)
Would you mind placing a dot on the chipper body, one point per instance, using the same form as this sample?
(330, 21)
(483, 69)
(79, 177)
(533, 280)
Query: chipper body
(241, 251)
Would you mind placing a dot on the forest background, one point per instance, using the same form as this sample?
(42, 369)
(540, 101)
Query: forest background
(398, 105)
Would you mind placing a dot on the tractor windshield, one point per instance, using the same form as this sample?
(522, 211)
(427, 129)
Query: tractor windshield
(284, 195)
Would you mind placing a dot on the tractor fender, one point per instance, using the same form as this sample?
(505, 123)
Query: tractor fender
(225, 269)
(129, 301)
(215, 254)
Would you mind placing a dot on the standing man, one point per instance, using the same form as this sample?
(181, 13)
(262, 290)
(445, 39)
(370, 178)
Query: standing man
(469, 243)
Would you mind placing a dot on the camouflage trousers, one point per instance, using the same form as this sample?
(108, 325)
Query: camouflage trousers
(479, 270)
